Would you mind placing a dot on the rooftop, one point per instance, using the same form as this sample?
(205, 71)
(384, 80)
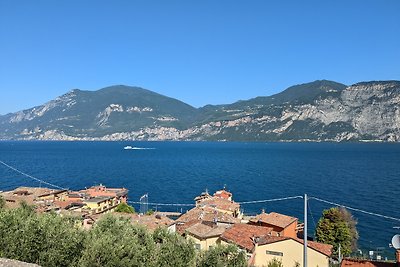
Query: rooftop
(275, 219)
(220, 203)
(206, 213)
(243, 235)
(204, 230)
(366, 263)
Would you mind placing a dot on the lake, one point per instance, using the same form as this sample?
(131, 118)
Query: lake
(360, 175)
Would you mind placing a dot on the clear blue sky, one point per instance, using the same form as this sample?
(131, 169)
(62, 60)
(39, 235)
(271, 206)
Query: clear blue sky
(200, 52)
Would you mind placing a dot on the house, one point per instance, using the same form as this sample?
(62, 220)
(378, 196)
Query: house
(206, 214)
(220, 201)
(100, 204)
(59, 195)
(205, 234)
(223, 194)
(371, 263)
(28, 195)
(280, 223)
(120, 194)
(262, 244)
(151, 222)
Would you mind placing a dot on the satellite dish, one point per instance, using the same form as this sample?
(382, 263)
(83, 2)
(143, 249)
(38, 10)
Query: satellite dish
(396, 241)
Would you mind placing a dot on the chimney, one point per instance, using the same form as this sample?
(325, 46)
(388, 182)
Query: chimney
(398, 257)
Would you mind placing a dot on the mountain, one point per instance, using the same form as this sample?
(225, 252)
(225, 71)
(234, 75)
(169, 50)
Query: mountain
(317, 111)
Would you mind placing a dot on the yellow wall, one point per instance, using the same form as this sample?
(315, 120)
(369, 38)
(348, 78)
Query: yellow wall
(292, 253)
(204, 244)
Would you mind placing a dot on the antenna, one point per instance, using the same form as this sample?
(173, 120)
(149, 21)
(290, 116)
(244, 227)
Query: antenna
(396, 241)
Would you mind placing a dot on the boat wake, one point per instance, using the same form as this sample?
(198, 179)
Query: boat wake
(138, 148)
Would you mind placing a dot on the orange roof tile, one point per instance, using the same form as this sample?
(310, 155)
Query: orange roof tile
(223, 194)
(275, 219)
(205, 230)
(206, 213)
(243, 234)
(220, 203)
(366, 263)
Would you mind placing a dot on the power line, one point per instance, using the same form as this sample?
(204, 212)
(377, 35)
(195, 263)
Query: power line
(269, 200)
(355, 209)
(244, 202)
(161, 204)
(30, 176)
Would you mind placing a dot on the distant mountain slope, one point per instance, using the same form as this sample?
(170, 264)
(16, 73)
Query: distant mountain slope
(86, 113)
(316, 111)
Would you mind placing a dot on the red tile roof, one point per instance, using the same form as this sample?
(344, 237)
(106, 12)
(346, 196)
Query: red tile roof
(220, 203)
(223, 194)
(275, 219)
(243, 235)
(203, 230)
(206, 213)
(366, 263)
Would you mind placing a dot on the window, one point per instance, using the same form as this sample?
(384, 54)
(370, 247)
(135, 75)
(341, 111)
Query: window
(197, 246)
(275, 253)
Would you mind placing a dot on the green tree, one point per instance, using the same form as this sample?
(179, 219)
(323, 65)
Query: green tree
(337, 226)
(275, 263)
(2, 202)
(45, 239)
(150, 212)
(172, 249)
(125, 208)
(222, 256)
(114, 241)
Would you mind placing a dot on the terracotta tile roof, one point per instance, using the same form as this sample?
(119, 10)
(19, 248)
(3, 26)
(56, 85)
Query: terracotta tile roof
(203, 230)
(206, 213)
(220, 203)
(182, 226)
(320, 247)
(275, 219)
(243, 234)
(366, 263)
(223, 194)
(151, 222)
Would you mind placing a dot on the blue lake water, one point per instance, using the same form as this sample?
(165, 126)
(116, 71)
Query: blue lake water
(361, 175)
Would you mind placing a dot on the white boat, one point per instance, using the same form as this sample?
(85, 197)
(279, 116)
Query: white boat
(128, 147)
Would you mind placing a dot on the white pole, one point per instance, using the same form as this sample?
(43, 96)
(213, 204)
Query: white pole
(305, 231)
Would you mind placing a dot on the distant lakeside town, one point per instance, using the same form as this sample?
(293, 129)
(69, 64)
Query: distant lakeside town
(214, 220)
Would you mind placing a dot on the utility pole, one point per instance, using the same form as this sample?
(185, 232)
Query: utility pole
(305, 232)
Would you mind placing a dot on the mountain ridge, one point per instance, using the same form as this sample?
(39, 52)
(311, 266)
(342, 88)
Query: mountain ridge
(322, 110)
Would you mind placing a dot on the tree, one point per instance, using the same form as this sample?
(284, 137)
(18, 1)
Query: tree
(222, 256)
(275, 263)
(45, 239)
(338, 226)
(125, 208)
(2, 202)
(150, 212)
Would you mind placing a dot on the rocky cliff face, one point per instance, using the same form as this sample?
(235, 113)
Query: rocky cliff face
(317, 111)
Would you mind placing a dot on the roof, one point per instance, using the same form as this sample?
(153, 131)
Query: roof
(275, 219)
(220, 203)
(53, 192)
(366, 263)
(223, 194)
(204, 230)
(151, 222)
(244, 234)
(97, 199)
(206, 213)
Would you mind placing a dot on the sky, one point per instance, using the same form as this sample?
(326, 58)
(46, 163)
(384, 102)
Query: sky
(200, 52)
